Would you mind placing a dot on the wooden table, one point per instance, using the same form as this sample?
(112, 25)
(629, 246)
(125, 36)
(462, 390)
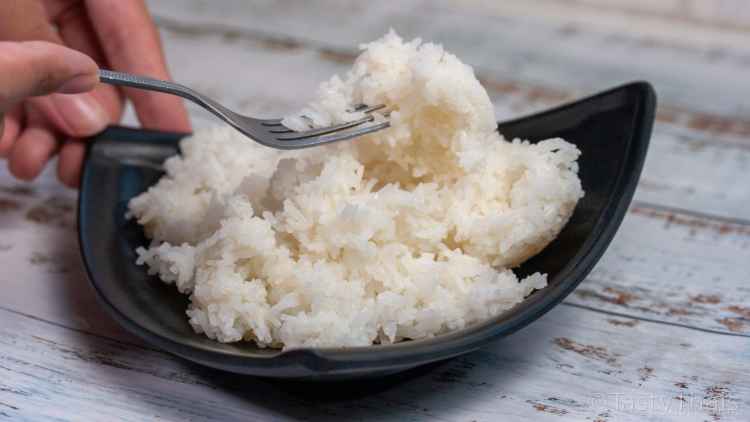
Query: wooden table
(659, 331)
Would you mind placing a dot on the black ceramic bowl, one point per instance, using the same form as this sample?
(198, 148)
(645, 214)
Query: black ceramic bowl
(612, 129)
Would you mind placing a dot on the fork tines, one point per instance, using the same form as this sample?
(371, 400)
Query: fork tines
(336, 131)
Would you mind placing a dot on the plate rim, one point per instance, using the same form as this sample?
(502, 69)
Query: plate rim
(310, 361)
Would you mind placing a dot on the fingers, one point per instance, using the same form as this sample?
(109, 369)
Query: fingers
(74, 115)
(38, 68)
(24, 20)
(31, 152)
(70, 162)
(12, 127)
(33, 148)
(131, 43)
(75, 30)
(31, 138)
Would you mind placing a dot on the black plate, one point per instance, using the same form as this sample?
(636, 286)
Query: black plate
(612, 129)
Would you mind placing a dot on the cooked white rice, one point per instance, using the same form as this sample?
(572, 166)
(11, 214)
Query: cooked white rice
(402, 234)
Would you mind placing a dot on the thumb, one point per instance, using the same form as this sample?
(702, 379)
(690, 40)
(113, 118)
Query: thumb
(29, 69)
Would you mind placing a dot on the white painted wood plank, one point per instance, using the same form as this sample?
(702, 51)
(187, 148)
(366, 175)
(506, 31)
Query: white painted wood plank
(571, 365)
(675, 268)
(42, 273)
(553, 53)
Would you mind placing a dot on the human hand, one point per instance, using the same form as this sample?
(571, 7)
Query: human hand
(40, 68)
(115, 34)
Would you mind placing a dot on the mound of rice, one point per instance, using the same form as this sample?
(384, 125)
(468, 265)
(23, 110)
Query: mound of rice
(403, 234)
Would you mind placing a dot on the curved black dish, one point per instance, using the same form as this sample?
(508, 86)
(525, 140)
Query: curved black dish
(612, 129)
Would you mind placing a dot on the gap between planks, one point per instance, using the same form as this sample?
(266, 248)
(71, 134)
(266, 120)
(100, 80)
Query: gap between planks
(653, 320)
(80, 331)
(635, 204)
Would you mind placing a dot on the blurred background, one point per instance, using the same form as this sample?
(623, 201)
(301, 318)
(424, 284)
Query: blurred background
(268, 56)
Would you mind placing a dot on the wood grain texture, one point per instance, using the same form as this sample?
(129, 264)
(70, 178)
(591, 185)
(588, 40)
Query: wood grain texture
(659, 331)
(614, 369)
(518, 43)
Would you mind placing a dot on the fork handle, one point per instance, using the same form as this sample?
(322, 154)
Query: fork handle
(142, 82)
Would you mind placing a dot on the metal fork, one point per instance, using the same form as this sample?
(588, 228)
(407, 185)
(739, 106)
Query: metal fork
(268, 132)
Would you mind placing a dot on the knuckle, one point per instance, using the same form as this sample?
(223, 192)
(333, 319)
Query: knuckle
(46, 81)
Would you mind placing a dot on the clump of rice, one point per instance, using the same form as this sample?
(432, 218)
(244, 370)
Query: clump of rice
(403, 234)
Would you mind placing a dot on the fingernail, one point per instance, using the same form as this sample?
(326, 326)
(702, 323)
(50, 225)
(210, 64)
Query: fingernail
(82, 113)
(80, 83)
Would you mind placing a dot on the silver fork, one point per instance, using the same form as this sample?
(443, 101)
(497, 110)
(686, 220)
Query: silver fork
(268, 132)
